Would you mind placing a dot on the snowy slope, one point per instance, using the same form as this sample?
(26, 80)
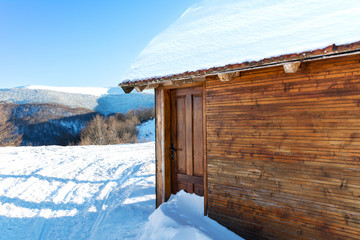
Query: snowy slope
(147, 131)
(102, 100)
(215, 33)
(97, 192)
(24, 95)
(96, 91)
(93, 192)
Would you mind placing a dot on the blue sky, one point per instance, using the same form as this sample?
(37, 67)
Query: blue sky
(77, 42)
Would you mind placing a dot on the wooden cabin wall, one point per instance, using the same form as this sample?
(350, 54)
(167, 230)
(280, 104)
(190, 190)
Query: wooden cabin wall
(283, 151)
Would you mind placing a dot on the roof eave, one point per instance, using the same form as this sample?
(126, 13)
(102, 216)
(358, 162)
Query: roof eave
(199, 75)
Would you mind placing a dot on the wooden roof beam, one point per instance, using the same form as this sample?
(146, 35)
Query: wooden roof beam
(140, 88)
(198, 78)
(225, 77)
(179, 82)
(190, 79)
(291, 67)
(127, 89)
(152, 86)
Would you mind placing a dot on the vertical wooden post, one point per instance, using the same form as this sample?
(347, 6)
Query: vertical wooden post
(167, 141)
(163, 161)
(159, 145)
(205, 151)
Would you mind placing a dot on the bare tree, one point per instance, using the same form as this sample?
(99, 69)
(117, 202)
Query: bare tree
(8, 131)
(112, 130)
(94, 132)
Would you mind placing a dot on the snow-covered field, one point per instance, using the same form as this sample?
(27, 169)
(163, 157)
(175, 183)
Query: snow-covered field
(93, 192)
(147, 131)
(80, 192)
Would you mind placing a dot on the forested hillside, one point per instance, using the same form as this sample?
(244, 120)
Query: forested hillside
(114, 101)
(45, 115)
(47, 124)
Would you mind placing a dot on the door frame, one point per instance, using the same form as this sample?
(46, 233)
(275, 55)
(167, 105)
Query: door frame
(188, 175)
(164, 139)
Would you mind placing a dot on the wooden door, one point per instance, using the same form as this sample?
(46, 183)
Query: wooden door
(187, 147)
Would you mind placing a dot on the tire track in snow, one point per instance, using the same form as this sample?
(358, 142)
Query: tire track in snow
(60, 197)
(94, 170)
(114, 195)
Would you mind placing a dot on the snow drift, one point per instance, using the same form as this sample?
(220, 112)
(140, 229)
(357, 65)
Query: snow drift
(182, 217)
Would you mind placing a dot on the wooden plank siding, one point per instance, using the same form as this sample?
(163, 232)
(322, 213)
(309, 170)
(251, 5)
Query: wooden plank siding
(283, 151)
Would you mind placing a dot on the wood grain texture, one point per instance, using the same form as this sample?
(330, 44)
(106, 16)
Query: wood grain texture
(162, 135)
(164, 182)
(158, 145)
(283, 151)
(187, 140)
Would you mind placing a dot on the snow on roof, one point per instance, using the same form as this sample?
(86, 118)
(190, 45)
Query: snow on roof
(215, 33)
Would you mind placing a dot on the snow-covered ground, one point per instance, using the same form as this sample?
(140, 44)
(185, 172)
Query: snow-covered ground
(80, 192)
(182, 217)
(147, 131)
(93, 192)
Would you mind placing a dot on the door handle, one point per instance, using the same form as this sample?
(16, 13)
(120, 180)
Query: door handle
(172, 151)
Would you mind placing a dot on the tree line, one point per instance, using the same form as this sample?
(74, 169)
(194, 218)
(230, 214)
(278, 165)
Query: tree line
(9, 135)
(101, 130)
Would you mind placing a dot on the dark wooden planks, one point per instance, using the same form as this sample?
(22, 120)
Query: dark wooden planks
(187, 138)
(283, 151)
(162, 131)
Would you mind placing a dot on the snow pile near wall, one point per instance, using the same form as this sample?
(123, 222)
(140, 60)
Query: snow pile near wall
(182, 217)
(215, 33)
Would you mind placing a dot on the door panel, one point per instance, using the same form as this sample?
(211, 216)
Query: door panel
(187, 140)
(198, 136)
(180, 137)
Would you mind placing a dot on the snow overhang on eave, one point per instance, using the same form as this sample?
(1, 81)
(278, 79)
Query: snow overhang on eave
(290, 62)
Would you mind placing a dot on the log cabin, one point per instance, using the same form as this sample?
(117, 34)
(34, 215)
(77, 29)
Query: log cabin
(258, 110)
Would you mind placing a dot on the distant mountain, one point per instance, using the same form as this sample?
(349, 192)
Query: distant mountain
(96, 91)
(55, 116)
(102, 100)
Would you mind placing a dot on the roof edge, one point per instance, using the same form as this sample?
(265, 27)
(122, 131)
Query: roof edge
(329, 51)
